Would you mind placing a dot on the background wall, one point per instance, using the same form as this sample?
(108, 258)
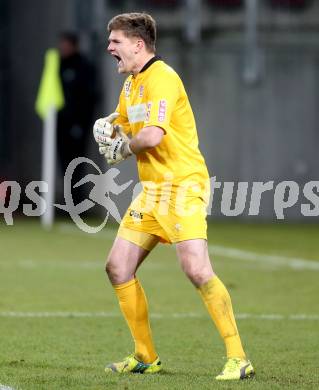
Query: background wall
(266, 129)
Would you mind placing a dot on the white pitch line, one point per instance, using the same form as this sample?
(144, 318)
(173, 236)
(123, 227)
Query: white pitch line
(106, 233)
(4, 387)
(295, 263)
(28, 263)
(87, 265)
(102, 314)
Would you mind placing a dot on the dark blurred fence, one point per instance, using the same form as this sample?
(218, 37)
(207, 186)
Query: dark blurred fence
(4, 84)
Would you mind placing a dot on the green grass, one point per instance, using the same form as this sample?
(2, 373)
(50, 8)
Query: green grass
(62, 271)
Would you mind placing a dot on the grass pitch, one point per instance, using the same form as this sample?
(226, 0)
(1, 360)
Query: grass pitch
(60, 323)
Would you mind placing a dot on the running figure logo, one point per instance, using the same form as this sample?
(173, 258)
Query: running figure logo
(104, 185)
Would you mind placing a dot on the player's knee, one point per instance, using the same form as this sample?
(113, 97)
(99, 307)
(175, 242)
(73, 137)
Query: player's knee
(197, 274)
(108, 268)
(112, 270)
(113, 273)
(116, 273)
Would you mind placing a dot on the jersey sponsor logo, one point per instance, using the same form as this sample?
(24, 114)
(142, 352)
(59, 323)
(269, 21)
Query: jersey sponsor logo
(148, 112)
(162, 110)
(136, 113)
(127, 88)
(141, 92)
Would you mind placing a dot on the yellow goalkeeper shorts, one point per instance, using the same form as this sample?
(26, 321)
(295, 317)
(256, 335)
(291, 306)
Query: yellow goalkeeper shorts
(148, 222)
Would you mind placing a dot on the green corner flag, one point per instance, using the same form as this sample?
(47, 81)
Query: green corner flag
(50, 93)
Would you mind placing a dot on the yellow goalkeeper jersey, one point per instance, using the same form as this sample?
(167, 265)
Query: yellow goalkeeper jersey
(156, 97)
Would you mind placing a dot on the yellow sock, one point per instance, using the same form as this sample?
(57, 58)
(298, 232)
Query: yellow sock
(133, 304)
(218, 303)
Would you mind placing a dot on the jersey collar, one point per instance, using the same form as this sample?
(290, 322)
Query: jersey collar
(150, 62)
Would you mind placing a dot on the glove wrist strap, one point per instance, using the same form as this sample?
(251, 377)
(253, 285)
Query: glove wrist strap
(126, 150)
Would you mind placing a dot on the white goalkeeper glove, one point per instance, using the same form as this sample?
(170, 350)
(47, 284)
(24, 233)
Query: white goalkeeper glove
(116, 149)
(103, 128)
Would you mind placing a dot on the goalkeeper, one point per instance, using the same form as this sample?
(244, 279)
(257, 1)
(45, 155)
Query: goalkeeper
(154, 109)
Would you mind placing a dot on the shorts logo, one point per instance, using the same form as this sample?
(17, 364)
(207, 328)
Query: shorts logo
(127, 88)
(136, 214)
(141, 91)
(148, 112)
(162, 110)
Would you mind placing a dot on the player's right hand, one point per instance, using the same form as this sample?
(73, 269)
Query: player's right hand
(119, 149)
(103, 128)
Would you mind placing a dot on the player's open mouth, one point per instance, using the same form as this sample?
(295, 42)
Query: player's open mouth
(118, 58)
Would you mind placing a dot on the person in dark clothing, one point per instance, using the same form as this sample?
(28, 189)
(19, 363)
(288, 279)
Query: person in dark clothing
(75, 118)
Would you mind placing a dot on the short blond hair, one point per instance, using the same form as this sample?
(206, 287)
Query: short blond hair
(136, 24)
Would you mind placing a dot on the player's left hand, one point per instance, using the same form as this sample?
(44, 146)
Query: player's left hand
(116, 149)
(103, 128)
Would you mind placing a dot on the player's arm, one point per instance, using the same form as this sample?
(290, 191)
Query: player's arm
(162, 95)
(120, 147)
(122, 119)
(104, 127)
(162, 98)
(147, 138)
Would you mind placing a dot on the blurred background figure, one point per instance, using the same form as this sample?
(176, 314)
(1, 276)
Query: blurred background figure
(80, 92)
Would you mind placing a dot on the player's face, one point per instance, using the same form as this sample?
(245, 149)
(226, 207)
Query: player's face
(125, 50)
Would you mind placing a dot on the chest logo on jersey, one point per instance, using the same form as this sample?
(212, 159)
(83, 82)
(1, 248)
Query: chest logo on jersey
(127, 88)
(162, 110)
(137, 113)
(141, 91)
(148, 113)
